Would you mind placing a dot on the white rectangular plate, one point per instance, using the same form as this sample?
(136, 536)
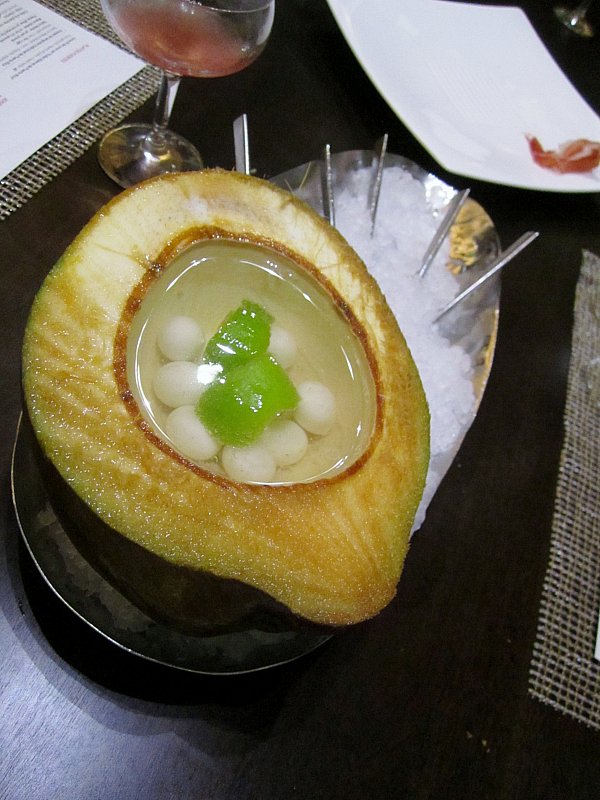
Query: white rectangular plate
(470, 82)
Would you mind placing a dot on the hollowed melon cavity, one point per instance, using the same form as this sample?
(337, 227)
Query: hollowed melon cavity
(312, 344)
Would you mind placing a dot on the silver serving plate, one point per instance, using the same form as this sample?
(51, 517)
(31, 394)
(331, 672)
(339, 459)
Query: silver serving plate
(473, 326)
(474, 243)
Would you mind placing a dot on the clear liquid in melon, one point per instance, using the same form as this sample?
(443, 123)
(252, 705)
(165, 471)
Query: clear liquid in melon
(212, 278)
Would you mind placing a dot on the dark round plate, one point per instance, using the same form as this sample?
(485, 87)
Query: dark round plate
(105, 609)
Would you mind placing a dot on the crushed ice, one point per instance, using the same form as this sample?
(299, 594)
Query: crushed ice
(405, 226)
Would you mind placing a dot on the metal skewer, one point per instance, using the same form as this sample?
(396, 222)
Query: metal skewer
(241, 144)
(380, 151)
(496, 265)
(327, 185)
(454, 207)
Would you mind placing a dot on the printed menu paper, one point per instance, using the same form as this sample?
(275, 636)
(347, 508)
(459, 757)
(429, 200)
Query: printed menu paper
(51, 72)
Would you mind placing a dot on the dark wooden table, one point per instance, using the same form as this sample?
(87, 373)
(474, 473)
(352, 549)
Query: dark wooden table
(428, 700)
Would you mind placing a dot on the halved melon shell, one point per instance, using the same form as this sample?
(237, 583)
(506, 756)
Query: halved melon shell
(330, 551)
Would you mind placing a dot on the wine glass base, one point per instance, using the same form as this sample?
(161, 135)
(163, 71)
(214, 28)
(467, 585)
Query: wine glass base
(129, 154)
(577, 24)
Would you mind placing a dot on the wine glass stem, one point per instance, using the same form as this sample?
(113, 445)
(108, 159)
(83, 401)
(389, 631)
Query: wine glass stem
(167, 91)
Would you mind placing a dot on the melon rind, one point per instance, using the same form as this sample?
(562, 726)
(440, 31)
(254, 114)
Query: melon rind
(330, 551)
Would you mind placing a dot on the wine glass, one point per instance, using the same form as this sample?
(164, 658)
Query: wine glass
(200, 38)
(575, 19)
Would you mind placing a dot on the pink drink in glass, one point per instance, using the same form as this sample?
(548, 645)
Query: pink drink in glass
(185, 37)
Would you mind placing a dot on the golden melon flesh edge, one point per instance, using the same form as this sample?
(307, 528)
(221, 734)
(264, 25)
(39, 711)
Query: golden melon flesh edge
(331, 551)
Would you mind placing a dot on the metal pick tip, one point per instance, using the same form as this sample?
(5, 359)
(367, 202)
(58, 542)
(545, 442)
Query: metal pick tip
(241, 144)
(454, 206)
(500, 261)
(327, 186)
(380, 151)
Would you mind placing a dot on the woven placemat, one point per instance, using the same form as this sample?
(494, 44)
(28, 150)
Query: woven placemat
(51, 159)
(564, 673)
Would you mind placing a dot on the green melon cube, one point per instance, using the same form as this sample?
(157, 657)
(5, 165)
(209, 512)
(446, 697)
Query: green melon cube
(238, 407)
(243, 334)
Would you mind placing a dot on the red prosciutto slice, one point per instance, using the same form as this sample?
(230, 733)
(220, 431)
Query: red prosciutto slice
(580, 155)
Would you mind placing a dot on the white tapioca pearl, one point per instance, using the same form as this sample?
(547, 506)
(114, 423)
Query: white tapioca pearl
(179, 383)
(180, 339)
(282, 346)
(286, 441)
(189, 435)
(316, 410)
(249, 464)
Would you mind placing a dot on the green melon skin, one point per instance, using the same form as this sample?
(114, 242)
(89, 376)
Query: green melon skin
(330, 552)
